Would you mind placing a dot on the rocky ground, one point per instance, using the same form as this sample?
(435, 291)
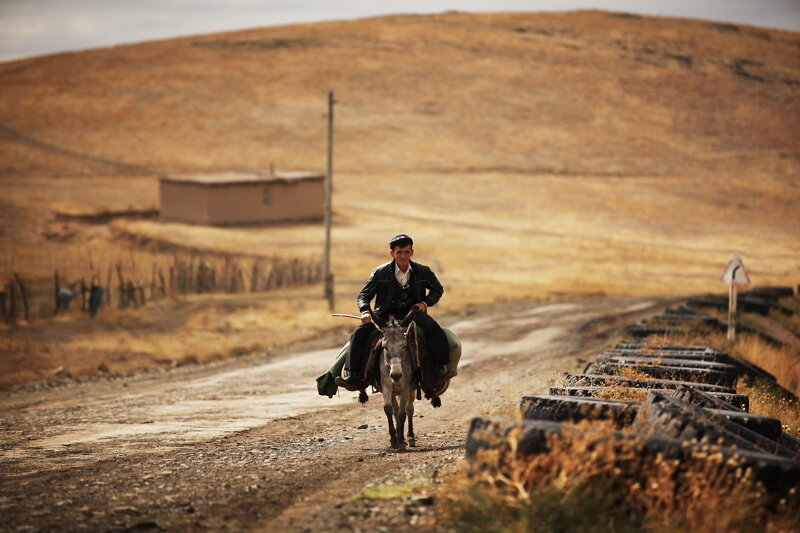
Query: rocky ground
(249, 445)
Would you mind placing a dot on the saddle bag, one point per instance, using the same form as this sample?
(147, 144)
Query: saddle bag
(326, 384)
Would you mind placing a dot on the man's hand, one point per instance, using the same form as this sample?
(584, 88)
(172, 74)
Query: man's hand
(366, 318)
(421, 307)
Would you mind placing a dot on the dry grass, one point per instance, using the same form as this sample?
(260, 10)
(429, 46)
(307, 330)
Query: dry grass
(783, 362)
(527, 91)
(593, 155)
(167, 333)
(587, 157)
(589, 481)
(767, 400)
(619, 391)
(790, 322)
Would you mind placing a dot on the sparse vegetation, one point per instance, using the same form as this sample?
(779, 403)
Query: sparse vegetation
(543, 156)
(561, 180)
(783, 362)
(790, 322)
(619, 391)
(768, 400)
(591, 482)
(381, 492)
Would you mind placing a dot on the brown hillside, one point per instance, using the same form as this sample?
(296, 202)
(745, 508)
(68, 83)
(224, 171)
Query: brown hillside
(576, 93)
(530, 155)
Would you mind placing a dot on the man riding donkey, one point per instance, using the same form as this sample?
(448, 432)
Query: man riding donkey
(399, 287)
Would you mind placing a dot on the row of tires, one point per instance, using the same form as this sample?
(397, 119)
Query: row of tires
(679, 401)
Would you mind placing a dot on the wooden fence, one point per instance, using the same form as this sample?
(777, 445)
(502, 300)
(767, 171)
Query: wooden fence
(118, 285)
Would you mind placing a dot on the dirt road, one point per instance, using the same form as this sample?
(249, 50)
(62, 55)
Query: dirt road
(249, 445)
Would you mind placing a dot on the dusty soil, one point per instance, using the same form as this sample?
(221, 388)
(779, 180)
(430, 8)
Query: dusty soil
(248, 444)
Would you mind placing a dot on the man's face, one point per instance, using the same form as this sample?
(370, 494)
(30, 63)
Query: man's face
(402, 255)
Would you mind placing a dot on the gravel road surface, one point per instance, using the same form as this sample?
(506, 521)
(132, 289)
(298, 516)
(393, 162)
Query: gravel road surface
(248, 445)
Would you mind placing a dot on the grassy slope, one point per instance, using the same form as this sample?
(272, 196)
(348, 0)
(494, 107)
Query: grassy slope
(587, 93)
(537, 154)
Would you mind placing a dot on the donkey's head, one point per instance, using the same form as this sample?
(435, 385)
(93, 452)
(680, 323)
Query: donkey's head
(395, 346)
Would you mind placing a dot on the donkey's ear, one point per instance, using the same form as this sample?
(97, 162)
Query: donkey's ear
(409, 318)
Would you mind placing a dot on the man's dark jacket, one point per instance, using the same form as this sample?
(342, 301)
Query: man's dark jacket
(382, 284)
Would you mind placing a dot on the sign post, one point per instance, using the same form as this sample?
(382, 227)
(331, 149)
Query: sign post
(736, 276)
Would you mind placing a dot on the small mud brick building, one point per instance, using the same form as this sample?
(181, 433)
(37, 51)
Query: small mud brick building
(235, 198)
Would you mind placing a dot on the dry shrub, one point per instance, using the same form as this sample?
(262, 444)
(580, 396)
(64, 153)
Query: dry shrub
(619, 391)
(783, 362)
(683, 338)
(791, 322)
(632, 373)
(768, 400)
(590, 481)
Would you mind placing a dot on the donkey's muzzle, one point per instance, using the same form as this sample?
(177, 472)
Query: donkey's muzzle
(396, 376)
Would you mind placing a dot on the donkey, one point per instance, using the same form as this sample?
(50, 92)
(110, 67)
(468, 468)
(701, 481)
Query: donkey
(398, 365)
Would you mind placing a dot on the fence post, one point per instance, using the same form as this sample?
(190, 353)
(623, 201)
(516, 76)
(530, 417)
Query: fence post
(163, 283)
(84, 290)
(108, 285)
(254, 277)
(24, 293)
(188, 277)
(12, 302)
(172, 280)
(122, 296)
(140, 289)
(130, 295)
(95, 298)
(57, 286)
(153, 283)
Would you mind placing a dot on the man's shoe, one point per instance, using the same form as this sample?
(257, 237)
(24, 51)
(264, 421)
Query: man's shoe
(350, 383)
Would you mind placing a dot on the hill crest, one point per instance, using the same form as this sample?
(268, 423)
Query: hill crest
(585, 92)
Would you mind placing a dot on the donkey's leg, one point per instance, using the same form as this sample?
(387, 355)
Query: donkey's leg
(387, 408)
(412, 441)
(400, 419)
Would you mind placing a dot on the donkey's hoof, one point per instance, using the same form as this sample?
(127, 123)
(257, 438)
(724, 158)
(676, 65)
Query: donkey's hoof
(412, 442)
(401, 445)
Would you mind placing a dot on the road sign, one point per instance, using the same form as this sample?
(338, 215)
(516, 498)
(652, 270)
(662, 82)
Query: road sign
(735, 276)
(735, 272)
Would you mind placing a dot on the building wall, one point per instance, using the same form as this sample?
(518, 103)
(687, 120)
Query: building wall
(242, 203)
(184, 202)
(266, 202)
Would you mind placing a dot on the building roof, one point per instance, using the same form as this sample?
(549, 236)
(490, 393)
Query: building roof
(244, 178)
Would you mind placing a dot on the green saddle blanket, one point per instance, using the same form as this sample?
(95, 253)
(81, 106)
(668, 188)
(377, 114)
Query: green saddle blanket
(326, 384)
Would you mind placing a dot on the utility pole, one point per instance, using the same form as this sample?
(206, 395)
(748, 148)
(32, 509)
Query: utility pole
(326, 258)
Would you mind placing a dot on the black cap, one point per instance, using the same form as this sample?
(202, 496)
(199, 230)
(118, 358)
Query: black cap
(400, 241)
